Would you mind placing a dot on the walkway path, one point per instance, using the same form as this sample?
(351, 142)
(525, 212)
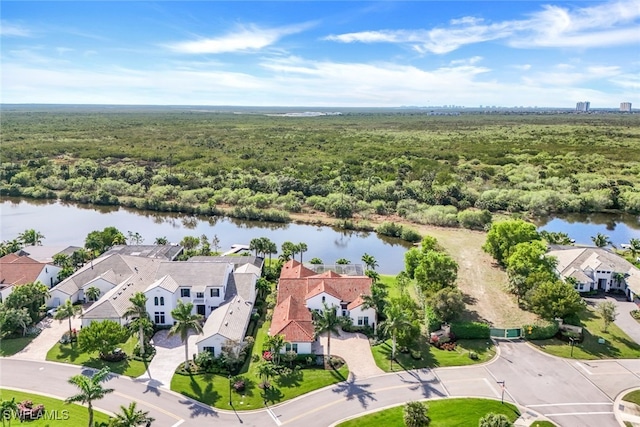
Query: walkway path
(52, 331)
(169, 355)
(354, 348)
(569, 392)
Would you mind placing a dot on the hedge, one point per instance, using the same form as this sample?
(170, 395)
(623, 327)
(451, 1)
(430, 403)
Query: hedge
(540, 331)
(470, 330)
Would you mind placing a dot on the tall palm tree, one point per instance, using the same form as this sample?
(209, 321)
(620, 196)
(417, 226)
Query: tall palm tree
(131, 417)
(186, 321)
(256, 245)
(91, 389)
(138, 311)
(93, 293)
(67, 311)
(31, 237)
(396, 320)
(8, 409)
(302, 248)
(601, 240)
(327, 321)
(161, 241)
(275, 343)
(369, 261)
(634, 247)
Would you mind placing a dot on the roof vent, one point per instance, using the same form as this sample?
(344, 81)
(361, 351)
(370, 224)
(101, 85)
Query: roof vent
(230, 311)
(226, 323)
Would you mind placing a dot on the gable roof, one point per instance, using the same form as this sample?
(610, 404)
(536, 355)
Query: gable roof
(19, 270)
(166, 283)
(230, 320)
(195, 273)
(297, 284)
(46, 253)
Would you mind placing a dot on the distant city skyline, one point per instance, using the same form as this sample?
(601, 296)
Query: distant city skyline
(323, 54)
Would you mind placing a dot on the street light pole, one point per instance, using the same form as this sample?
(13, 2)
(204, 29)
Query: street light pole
(230, 404)
(573, 342)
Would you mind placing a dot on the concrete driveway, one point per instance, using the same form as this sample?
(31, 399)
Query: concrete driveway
(52, 331)
(354, 349)
(624, 321)
(169, 354)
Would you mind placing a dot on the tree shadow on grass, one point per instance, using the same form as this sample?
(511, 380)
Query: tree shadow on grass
(205, 395)
(68, 352)
(353, 390)
(272, 395)
(293, 379)
(115, 367)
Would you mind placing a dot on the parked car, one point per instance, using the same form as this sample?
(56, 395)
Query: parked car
(52, 312)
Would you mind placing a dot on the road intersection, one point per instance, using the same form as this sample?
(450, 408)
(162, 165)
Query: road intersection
(569, 392)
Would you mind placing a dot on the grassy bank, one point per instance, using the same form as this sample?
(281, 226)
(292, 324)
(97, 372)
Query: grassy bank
(443, 413)
(59, 413)
(70, 353)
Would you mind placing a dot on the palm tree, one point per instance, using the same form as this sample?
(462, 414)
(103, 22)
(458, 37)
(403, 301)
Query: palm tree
(369, 261)
(131, 417)
(289, 250)
(263, 286)
(275, 343)
(90, 389)
(343, 261)
(634, 247)
(601, 240)
(31, 237)
(161, 241)
(256, 245)
(8, 409)
(67, 311)
(138, 311)
(186, 322)
(396, 320)
(301, 248)
(93, 293)
(271, 248)
(327, 321)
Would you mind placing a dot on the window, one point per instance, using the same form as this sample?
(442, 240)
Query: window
(211, 350)
(155, 301)
(158, 301)
(363, 321)
(161, 300)
(185, 292)
(159, 318)
(199, 294)
(215, 292)
(324, 298)
(291, 347)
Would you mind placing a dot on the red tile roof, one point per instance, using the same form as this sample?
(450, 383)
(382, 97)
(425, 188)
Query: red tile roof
(19, 270)
(291, 317)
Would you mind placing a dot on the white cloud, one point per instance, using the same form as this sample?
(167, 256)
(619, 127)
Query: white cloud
(9, 29)
(522, 67)
(245, 39)
(467, 61)
(610, 24)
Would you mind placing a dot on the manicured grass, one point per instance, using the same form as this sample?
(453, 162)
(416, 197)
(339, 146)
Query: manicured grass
(11, 346)
(543, 424)
(58, 412)
(633, 397)
(70, 353)
(443, 413)
(617, 344)
(433, 357)
(214, 389)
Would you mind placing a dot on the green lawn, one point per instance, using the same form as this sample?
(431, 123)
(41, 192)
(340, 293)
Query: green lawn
(75, 415)
(633, 397)
(214, 389)
(70, 353)
(617, 344)
(443, 413)
(543, 424)
(433, 357)
(11, 346)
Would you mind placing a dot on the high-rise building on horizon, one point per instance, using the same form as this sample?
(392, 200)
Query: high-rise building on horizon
(583, 106)
(625, 107)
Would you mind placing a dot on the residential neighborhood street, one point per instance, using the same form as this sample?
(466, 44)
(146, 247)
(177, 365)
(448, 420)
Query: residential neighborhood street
(570, 393)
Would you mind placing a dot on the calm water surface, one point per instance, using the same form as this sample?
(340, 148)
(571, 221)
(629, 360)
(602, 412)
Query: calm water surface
(69, 224)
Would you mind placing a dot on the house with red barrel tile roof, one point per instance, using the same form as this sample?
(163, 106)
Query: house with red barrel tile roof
(16, 270)
(302, 290)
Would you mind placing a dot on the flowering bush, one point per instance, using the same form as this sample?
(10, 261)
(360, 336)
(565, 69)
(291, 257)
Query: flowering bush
(266, 355)
(27, 411)
(239, 384)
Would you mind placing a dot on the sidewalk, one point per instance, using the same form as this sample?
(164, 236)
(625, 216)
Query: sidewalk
(626, 411)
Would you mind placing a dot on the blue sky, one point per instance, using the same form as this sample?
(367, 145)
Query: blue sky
(320, 53)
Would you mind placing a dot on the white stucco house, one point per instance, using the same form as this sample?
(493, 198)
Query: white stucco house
(595, 269)
(301, 291)
(16, 270)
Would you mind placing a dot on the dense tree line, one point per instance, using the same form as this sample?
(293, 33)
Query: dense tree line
(443, 171)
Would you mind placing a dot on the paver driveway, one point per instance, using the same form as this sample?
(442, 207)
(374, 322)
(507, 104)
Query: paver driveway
(52, 331)
(354, 349)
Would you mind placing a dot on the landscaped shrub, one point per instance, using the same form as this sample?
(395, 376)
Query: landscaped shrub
(239, 384)
(205, 360)
(540, 331)
(396, 230)
(28, 412)
(635, 314)
(470, 330)
(416, 355)
(473, 355)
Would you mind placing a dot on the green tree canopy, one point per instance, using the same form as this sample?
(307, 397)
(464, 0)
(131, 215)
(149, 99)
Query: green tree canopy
(495, 420)
(30, 296)
(435, 271)
(102, 336)
(101, 241)
(527, 259)
(505, 235)
(447, 304)
(553, 299)
(415, 414)
(609, 312)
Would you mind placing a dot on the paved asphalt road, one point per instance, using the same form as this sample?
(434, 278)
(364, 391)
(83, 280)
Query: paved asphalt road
(571, 393)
